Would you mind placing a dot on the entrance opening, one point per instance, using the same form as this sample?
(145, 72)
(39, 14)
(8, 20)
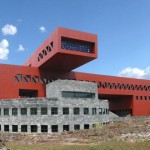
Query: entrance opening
(28, 93)
(121, 105)
(123, 112)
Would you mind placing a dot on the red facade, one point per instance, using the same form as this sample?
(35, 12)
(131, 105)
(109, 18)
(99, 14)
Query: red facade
(62, 52)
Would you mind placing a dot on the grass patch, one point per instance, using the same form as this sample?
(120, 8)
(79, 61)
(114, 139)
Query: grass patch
(112, 145)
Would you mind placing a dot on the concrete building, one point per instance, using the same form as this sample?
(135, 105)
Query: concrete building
(69, 105)
(56, 58)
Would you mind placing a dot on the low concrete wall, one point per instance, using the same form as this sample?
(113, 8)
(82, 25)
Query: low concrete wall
(129, 118)
(59, 119)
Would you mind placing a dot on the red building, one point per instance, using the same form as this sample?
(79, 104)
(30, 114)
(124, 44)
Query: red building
(58, 55)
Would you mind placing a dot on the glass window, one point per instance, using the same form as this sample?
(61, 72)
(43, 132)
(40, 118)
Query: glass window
(107, 111)
(76, 127)
(44, 128)
(76, 111)
(104, 111)
(67, 94)
(43, 110)
(14, 111)
(33, 128)
(54, 128)
(0, 111)
(94, 112)
(54, 110)
(86, 126)
(65, 127)
(6, 111)
(65, 110)
(76, 45)
(14, 128)
(86, 111)
(100, 111)
(23, 111)
(6, 128)
(24, 128)
(33, 111)
(77, 94)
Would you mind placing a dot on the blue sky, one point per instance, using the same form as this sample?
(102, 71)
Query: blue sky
(122, 26)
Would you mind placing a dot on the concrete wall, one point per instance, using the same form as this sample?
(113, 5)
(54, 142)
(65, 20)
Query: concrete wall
(55, 99)
(55, 88)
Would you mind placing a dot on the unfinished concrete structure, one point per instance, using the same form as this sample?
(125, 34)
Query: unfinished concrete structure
(69, 105)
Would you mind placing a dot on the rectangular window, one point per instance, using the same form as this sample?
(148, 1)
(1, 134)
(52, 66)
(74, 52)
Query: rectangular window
(136, 97)
(140, 97)
(44, 128)
(76, 111)
(70, 94)
(145, 97)
(24, 128)
(94, 125)
(23, 111)
(54, 110)
(94, 112)
(14, 128)
(100, 111)
(0, 127)
(86, 111)
(28, 93)
(33, 111)
(76, 127)
(6, 128)
(104, 111)
(86, 126)
(65, 110)
(54, 128)
(43, 110)
(6, 111)
(65, 127)
(33, 128)
(76, 45)
(107, 111)
(14, 111)
(0, 111)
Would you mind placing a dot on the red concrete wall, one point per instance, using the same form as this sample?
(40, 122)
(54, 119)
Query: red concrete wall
(61, 59)
(9, 87)
(123, 93)
(129, 90)
(120, 98)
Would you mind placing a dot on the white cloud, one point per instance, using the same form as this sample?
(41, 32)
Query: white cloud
(4, 51)
(21, 48)
(136, 73)
(9, 29)
(42, 29)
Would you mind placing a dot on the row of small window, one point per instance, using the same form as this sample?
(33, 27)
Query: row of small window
(123, 86)
(43, 128)
(54, 111)
(142, 97)
(32, 78)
